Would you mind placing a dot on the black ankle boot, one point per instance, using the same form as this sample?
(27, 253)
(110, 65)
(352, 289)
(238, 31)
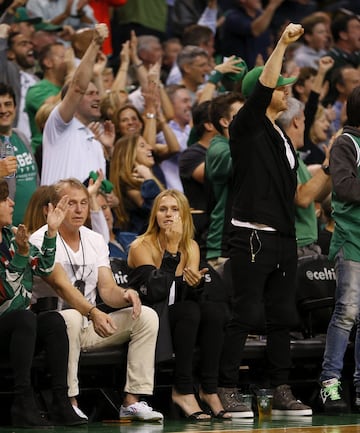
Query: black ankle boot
(62, 412)
(25, 413)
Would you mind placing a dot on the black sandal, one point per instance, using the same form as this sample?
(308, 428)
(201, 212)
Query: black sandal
(196, 416)
(220, 415)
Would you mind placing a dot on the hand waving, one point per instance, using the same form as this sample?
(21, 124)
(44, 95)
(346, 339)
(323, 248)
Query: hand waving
(22, 239)
(56, 215)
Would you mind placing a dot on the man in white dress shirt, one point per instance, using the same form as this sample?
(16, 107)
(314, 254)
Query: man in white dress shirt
(69, 147)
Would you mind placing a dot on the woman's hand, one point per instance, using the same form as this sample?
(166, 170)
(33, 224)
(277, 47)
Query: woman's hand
(22, 239)
(141, 172)
(94, 186)
(193, 278)
(93, 190)
(173, 235)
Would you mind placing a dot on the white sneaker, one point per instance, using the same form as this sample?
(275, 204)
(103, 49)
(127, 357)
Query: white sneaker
(79, 412)
(140, 411)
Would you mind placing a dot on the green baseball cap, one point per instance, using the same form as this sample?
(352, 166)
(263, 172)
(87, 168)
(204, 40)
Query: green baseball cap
(250, 79)
(47, 27)
(21, 15)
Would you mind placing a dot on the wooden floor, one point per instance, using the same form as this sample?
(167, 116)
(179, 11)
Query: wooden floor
(316, 424)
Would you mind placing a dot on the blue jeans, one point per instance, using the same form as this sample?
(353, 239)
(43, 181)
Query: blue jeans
(345, 315)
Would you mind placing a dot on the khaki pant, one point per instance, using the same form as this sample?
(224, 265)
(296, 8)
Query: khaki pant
(141, 334)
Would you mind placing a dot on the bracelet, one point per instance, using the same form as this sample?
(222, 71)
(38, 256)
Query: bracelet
(138, 65)
(89, 312)
(150, 115)
(215, 76)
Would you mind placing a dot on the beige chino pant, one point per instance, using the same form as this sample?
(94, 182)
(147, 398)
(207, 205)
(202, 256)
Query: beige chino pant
(141, 334)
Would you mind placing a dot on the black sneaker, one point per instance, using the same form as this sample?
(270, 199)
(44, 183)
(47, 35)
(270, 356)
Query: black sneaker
(232, 402)
(331, 398)
(284, 403)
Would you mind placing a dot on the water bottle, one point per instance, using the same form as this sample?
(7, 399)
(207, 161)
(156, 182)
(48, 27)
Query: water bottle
(6, 149)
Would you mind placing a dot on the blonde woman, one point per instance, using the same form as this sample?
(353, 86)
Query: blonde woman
(134, 182)
(165, 268)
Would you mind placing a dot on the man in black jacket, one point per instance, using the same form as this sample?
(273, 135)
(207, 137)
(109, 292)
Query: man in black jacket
(262, 242)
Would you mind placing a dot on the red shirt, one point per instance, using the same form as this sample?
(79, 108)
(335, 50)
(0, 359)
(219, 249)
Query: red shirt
(102, 14)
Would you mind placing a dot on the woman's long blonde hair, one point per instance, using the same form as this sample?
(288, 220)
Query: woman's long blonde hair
(153, 229)
(122, 164)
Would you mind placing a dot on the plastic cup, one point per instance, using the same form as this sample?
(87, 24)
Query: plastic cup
(264, 399)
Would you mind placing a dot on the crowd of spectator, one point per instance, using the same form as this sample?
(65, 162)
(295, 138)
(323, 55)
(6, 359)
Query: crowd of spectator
(189, 135)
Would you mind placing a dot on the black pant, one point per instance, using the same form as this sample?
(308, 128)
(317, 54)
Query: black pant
(22, 333)
(193, 322)
(263, 266)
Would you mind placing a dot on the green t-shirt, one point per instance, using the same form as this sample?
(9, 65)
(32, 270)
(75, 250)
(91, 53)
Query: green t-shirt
(305, 218)
(347, 228)
(35, 97)
(26, 178)
(149, 13)
(218, 166)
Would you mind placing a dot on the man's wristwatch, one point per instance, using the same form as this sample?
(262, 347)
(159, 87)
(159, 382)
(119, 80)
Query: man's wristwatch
(326, 169)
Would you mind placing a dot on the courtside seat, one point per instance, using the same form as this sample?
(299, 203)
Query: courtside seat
(315, 293)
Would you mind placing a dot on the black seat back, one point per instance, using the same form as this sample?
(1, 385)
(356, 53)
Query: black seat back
(315, 293)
